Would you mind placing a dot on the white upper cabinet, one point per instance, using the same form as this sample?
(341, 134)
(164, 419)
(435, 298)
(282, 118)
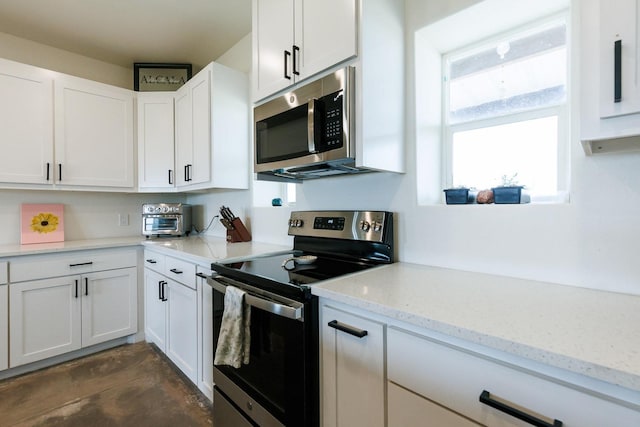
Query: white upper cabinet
(211, 130)
(156, 168)
(26, 124)
(609, 70)
(93, 134)
(295, 39)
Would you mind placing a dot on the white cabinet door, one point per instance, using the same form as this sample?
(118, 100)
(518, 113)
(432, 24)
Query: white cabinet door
(295, 39)
(272, 46)
(44, 318)
(93, 134)
(4, 326)
(205, 336)
(182, 328)
(325, 33)
(193, 134)
(353, 379)
(156, 151)
(407, 409)
(109, 305)
(155, 310)
(26, 124)
(200, 86)
(183, 134)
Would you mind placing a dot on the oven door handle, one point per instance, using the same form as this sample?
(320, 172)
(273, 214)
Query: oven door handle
(278, 305)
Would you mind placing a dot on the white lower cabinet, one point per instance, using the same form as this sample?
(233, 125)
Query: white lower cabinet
(49, 317)
(205, 334)
(407, 409)
(454, 378)
(4, 318)
(352, 358)
(182, 327)
(399, 375)
(171, 313)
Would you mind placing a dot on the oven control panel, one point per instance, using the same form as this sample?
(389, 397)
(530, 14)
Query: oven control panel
(351, 225)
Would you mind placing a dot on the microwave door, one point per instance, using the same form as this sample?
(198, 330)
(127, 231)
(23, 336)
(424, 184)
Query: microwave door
(283, 136)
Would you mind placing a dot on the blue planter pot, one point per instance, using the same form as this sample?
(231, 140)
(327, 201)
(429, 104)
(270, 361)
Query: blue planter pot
(509, 195)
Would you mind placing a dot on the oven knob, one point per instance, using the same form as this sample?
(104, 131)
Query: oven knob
(377, 226)
(365, 226)
(249, 405)
(299, 223)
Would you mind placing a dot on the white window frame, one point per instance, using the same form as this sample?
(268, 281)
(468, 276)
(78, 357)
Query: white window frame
(563, 111)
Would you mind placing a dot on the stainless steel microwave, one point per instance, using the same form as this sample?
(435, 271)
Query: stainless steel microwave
(308, 132)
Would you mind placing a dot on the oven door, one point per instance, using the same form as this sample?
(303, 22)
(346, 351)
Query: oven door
(279, 386)
(163, 224)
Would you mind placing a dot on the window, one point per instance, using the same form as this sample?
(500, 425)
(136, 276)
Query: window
(506, 111)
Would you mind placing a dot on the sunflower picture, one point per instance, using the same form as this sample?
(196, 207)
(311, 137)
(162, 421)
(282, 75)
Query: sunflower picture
(45, 222)
(42, 223)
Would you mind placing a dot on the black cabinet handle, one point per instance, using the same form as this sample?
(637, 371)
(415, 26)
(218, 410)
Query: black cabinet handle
(501, 405)
(170, 180)
(617, 71)
(86, 286)
(76, 288)
(160, 290)
(360, 333)
(201, 275)
(59, 171)
(287, 54)
(152, 261)
(175, 271)
(80, 264)
(48, 167)
(164, 298)
(296, 49)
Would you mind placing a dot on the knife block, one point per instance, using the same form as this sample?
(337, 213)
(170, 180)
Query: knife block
(239, 233)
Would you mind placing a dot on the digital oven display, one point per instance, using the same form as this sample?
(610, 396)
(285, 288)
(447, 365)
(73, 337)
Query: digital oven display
(328, 223)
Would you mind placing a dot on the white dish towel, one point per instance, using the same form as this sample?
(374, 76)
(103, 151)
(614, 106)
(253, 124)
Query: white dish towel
(235, 334)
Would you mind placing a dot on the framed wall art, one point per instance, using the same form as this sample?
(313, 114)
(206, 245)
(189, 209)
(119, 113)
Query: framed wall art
(41, 223)
(151, 77)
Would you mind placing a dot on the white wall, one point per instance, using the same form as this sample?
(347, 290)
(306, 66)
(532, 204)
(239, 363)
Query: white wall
(40, 55)
(591, 242)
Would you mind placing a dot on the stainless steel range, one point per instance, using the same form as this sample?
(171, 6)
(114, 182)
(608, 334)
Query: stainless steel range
(280, 384)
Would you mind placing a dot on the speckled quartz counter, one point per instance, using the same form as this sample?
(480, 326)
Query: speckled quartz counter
(205, 249)
(593, 333)
(72, 245)
(199, 249)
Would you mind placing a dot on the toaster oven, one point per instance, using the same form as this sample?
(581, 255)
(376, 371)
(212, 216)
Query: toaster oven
(166, 219)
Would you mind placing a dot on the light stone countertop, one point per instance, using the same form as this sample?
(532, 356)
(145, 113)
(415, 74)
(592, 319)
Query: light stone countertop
(68, 246)
(205, 249)
(198, 249)
(589, 332)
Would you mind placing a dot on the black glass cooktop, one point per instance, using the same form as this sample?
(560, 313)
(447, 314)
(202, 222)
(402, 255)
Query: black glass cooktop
(270, 269)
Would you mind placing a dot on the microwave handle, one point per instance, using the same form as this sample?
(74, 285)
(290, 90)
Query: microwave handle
(311, 131)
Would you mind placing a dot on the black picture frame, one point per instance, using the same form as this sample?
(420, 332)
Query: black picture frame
(154, 77)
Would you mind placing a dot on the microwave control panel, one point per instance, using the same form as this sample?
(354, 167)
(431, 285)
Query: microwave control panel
(332, 121)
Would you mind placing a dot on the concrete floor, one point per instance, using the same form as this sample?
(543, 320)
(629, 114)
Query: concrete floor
(131, 385)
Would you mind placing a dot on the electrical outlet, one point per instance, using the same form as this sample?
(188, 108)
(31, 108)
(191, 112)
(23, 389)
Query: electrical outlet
(123, 219)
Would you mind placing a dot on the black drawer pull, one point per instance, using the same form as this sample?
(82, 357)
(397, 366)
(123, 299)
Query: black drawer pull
(201, 275)
(175, 271)
(501, 405)
(80, 264)
(152, 261)
(360, 333)
(617, 71)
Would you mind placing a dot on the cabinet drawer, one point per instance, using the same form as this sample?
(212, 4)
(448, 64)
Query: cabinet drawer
(154, 261)
(180, 271)
(33, 267)
(407, 409)
(3, 273)
(455, 378)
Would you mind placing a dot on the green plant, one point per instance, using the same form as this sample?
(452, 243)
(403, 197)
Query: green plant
(509, 181)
